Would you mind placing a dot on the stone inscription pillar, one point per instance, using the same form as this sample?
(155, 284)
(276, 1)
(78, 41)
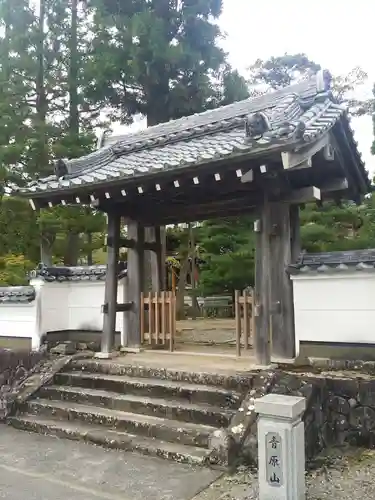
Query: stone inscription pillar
(281, 447)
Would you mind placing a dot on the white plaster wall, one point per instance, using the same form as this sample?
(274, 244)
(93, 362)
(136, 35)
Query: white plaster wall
(19, 320)
(335, 308)
(76, 305)
(54, 304)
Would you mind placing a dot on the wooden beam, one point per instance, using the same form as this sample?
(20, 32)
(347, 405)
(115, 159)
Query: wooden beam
(135, 283)
(177, 217)
(183, 212)
(124, 307)
(111, 280)
(303, 195)
(262, 332)
(130, 243)
(281, 290)
(303, 157)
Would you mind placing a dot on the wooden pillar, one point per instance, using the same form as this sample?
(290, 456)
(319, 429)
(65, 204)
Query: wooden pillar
(295, 232)
(111, 283)
(157, 283)
(281, 289)
(163, 258)
(261, 292)
(135, 284)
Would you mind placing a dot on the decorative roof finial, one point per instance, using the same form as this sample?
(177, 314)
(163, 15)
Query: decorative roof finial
(323, 80)
(257, 124)
(101, 138)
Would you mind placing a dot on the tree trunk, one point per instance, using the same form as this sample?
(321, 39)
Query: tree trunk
(180, 295)
(71, 250)
(41, 108)
(73, 73)
(46, 249)
(41, 100)
(90, 259)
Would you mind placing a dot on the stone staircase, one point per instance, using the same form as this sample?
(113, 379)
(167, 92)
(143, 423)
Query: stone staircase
(170, 414)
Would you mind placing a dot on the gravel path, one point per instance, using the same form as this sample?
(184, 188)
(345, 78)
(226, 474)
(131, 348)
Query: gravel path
(337, 477)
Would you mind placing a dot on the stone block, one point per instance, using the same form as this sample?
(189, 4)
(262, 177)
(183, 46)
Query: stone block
(338, 404)
(366, 393)
(64, 348)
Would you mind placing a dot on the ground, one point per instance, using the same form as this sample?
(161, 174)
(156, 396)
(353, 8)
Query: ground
(338, 474)
(216, 335)
(45, 468)
(219, 331)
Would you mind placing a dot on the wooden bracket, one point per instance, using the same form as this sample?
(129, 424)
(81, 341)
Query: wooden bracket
(248, 177)
(303, 157)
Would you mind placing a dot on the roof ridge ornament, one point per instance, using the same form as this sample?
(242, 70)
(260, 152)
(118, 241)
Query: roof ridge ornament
(60, 168)
(323, 80)
(256, 125)
(283, 120)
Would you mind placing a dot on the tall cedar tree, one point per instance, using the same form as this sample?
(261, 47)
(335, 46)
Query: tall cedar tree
(160, 58)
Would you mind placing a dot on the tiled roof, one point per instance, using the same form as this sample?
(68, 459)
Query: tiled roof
(75, 273)
(296, 115)
(17, 294)
(334, 262)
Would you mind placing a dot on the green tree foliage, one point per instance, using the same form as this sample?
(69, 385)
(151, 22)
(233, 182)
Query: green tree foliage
(14, 269)
(159, 58)
(228, 246)
(281, 71)
(18, 229)
(43, 54)
(227, 249)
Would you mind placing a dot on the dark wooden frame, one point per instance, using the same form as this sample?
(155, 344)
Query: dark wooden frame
(270, 184)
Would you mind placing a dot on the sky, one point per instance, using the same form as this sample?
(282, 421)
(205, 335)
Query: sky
(336, 34)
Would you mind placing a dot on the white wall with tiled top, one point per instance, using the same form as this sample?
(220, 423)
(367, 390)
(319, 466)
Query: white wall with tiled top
(22, 319)
(59, 306)
(334, 307)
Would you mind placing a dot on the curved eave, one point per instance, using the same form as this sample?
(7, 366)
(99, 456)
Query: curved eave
(352, 157)
(125, 182)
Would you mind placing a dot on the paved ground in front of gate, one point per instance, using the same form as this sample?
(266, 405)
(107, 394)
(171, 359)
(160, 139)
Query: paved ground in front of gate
(46, 468)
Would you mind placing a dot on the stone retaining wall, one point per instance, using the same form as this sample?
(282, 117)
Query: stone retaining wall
(340, 410)
(15, 367)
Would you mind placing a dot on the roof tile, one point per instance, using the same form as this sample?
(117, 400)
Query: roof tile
(296, 113)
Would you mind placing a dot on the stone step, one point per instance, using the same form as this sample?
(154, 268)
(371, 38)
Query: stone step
(151, 426)
(193, 393)
(240, 383)
(111, 438)
(158, 407)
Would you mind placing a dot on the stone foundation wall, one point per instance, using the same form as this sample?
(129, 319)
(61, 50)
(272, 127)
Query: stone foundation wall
(15, 367)
(340, 410)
